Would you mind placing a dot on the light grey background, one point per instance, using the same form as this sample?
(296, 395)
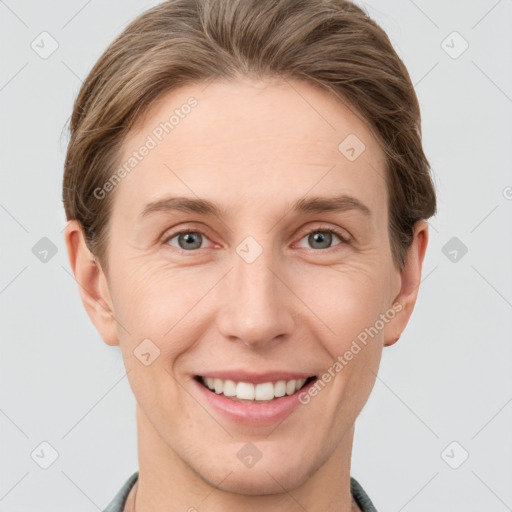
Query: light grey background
(447, 379)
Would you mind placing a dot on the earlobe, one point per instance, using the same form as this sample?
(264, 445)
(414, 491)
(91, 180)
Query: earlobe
(410, 279)
(92, 283)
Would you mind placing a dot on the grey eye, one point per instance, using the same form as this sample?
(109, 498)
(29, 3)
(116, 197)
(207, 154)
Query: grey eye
(324, 239)
(321, 238)
(187, 240)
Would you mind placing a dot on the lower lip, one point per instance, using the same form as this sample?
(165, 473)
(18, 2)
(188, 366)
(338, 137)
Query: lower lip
(256, 414)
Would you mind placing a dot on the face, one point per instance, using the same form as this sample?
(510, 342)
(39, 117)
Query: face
(275, 278)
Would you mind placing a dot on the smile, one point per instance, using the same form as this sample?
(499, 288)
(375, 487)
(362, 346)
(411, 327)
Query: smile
(253, 393)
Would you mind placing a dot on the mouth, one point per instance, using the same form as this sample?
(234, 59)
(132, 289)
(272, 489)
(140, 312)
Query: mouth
(261, 393)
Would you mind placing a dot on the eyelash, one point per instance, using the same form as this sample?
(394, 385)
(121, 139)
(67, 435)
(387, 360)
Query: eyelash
(344, 239)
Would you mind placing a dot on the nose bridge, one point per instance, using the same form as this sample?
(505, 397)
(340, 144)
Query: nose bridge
(256, 309)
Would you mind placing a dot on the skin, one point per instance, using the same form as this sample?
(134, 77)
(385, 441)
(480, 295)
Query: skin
(253, 147)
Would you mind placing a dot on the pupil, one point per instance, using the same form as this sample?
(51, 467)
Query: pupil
(322, 238)
(190, 243)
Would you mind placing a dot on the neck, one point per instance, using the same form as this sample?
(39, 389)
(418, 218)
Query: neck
(167, 482)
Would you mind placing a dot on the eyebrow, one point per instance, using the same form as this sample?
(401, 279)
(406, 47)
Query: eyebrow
(316, 204)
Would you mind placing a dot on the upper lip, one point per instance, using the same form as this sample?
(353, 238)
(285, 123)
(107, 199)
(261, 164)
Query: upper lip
(255, 378)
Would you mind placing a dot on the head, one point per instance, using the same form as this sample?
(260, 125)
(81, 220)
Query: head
(246, 198)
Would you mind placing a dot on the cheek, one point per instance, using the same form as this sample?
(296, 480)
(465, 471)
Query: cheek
(165, 303)
(350, 303)
(347, 299)
(159, 304)
(161, 313)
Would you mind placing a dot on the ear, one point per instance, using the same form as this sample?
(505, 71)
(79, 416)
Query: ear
(92, 283)
(409, 279)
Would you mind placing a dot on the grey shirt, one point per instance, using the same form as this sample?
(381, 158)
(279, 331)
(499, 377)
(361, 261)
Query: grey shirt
(118, 503)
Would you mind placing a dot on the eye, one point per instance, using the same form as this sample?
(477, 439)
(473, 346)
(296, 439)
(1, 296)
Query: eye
(187, 239)
(322, 238)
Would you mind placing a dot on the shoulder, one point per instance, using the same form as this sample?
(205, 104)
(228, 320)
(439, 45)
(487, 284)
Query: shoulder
(119, 500)
(362, 499)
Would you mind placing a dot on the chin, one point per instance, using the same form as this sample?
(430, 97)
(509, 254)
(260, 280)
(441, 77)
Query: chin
(255, 484)
(259, 481)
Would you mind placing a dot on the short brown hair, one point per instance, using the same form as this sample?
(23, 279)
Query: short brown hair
(333, 44)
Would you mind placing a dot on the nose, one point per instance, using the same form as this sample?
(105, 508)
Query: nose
(255, 304)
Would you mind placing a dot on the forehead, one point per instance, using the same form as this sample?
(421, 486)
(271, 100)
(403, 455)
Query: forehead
(250, 142)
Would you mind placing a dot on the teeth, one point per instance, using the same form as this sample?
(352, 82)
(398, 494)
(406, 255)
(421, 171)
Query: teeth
(245, 391)
(265, 391)
(217, 384)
